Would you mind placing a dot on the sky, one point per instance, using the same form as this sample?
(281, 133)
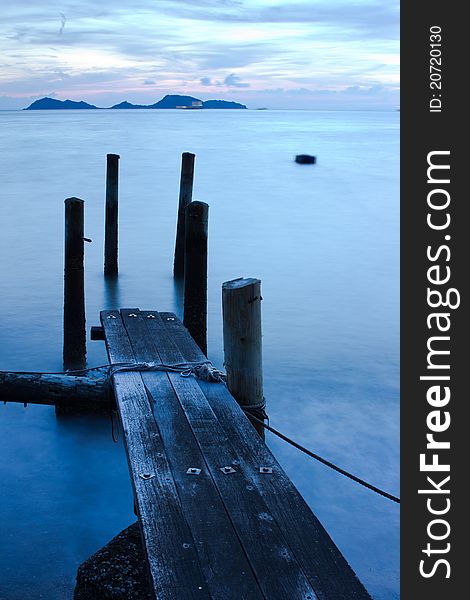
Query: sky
(280, 54)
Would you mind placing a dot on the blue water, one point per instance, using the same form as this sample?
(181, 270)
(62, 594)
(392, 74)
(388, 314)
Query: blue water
(323, 239)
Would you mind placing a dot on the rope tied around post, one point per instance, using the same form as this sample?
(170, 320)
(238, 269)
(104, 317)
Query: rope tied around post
(257, 411)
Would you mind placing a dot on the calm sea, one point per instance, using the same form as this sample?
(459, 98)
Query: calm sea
(324, 241)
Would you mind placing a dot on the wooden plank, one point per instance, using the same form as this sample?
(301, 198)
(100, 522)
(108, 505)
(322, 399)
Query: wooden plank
(223, 561)
(273, 562)
(320, 558)
(173, 562)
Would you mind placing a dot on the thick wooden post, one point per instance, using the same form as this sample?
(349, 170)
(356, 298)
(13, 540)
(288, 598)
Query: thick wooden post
(74, 288)
(241, 308)
(186, 196)
(195, 272)
(111, 218)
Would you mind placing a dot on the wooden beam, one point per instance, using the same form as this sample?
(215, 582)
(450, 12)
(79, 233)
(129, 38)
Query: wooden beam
(52, 389)
(96, 333)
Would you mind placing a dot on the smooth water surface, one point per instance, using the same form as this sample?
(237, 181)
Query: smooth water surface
(324, 241)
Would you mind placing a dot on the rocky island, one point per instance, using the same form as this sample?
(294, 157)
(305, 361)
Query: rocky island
(168, 101)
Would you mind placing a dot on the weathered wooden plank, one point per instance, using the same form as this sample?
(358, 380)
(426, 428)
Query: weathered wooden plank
(223, 561)
(173, 562)
(320, 558)
(272, 560)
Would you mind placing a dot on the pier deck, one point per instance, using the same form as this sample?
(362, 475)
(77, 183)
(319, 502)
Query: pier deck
(219, 517)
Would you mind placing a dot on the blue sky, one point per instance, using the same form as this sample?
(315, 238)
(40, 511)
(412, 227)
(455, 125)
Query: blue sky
(274, 53)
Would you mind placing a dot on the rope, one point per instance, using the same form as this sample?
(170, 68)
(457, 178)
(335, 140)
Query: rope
(114, 419)
(327, 462)
(204, 370)
(257, 411)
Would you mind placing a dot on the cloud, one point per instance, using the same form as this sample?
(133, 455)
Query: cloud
(63, 21)
(197, 45)
(233, 80)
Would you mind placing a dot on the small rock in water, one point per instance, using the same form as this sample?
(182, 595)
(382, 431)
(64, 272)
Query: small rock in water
(305, 159)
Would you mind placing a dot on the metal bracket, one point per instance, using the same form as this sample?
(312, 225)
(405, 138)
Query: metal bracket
(227, 470)
(265, 470)
(193, 471)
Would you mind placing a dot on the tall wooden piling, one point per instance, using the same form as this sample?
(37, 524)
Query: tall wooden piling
(74, 352)
(186, 195)
(111, 217)
(241, 308)
(195, 272)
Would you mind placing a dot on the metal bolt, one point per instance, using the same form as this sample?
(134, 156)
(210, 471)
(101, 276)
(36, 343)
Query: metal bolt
(227, 470)
(151, 317)
(146, 476)
(132, 315)
(111, 317)
(265, 470)
(193, 471)
(170, 318)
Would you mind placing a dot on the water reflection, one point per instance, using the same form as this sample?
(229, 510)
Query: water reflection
(178, 296)
(112, 295)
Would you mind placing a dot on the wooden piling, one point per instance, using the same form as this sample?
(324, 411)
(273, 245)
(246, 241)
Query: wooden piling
(186, 195)
(111, 218)
(74, 352)
(195, 272)
(241, 308)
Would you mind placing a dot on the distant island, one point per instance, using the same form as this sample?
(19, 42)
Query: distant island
(169, 101)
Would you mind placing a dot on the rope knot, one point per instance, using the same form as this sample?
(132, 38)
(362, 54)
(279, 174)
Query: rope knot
(207, 372)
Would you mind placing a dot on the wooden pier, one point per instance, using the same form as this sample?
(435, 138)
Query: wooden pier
(219, 517)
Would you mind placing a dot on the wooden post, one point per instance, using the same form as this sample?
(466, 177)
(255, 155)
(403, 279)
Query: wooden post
(74, 288)
(186, 196)
(241, 308)
(195, 272)
(111, 219)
